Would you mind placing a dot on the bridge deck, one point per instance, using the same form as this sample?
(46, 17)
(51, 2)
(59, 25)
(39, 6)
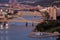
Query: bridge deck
(32, 21)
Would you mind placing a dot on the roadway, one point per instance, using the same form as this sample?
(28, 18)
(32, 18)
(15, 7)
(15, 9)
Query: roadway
(31, 21)
(22, 19)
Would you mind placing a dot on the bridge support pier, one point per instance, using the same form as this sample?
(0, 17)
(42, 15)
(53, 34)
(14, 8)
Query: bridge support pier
(1, 26)
(32, 24)
(4, 24)
(26, 24)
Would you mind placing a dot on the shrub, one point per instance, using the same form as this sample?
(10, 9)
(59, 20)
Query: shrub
(47, 25)
(58, 38)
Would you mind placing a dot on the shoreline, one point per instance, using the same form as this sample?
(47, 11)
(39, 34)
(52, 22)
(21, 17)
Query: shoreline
(40, 35)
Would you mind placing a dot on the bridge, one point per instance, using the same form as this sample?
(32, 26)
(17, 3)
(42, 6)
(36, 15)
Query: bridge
(51, 10)
(31, 21)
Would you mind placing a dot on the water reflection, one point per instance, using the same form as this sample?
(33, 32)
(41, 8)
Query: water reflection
(1, 26)
(1, 37)
(19, 30)
(19, 33)
(6, 26)
(7, 38)
(4, 33)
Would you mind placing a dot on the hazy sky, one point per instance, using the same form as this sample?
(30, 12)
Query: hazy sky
(17, 0)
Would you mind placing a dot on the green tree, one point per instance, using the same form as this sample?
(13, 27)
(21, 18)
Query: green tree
(49, 26)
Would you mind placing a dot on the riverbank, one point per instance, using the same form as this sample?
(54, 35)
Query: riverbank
(40, 34)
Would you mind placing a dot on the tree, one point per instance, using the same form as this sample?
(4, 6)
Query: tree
(58, 38)
(49, 26)
(47, 16)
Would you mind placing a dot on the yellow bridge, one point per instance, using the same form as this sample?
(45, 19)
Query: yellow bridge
(12, 20)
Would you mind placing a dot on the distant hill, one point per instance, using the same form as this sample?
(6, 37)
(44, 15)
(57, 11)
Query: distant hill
(33, 2)
(1, 1)
(40, 2)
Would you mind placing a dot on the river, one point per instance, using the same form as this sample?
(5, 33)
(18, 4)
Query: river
(18, 30)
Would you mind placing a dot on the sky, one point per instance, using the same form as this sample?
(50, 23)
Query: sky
(32, 2)
(17, 0)
(4, 0)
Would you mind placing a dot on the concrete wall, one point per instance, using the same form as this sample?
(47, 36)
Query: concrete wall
(58, 11)
(52, 12)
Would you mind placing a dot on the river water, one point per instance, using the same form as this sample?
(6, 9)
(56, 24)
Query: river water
(18, 30)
